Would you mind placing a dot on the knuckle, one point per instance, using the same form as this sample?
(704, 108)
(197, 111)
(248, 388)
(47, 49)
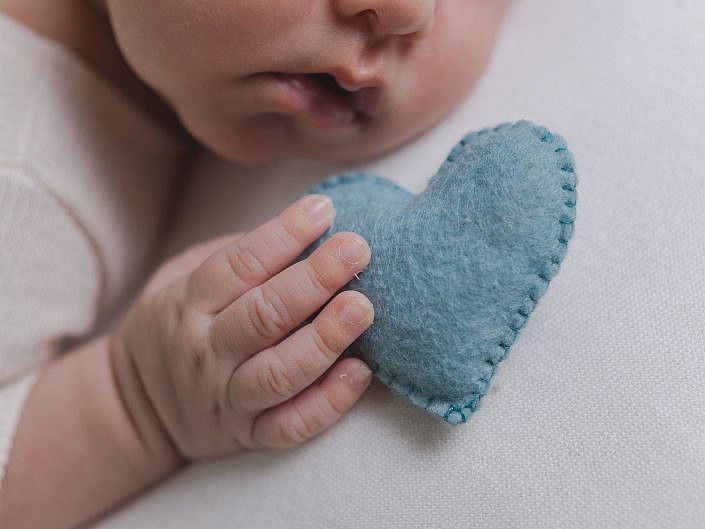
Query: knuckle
(319, 281)
(336, 409)
(268, 314)
(299, 427)
(245, 264)
(171, 311)
(288, 235)
(291, 433)
(324, 345)
(313, 423)
(275, 379)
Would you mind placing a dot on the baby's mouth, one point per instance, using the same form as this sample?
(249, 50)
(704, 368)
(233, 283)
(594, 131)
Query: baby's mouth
(320, 99)
(330, 84)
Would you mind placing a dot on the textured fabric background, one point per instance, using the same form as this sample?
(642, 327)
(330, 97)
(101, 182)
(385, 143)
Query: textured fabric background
(597, 418)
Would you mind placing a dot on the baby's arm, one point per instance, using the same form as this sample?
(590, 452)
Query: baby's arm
(76, 452)
(213, 358)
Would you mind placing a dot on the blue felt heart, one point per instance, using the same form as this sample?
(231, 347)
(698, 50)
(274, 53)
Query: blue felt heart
(457, 270)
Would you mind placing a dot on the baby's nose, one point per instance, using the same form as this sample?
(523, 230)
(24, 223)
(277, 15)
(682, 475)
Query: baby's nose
(393, 17)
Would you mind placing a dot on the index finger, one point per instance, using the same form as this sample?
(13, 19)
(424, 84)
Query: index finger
(251, 260)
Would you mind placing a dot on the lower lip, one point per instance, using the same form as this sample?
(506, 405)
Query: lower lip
(299, 95)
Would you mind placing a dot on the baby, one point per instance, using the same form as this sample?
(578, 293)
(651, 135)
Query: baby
(217, 355)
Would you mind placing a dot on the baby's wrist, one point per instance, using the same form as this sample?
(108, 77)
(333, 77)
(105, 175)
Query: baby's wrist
(77, 451)
(145, 422)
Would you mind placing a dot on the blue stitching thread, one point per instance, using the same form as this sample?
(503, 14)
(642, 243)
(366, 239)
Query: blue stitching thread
(566, 221)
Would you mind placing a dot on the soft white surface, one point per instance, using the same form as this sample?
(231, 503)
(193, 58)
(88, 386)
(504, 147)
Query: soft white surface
(597, 418)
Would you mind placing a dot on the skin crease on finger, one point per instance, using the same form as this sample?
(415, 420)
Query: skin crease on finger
(235, 71)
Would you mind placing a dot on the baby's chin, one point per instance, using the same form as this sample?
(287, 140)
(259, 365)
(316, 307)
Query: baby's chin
(257, 146)
(321, 152)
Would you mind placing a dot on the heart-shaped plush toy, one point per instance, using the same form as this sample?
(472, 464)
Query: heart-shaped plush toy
(456, 270)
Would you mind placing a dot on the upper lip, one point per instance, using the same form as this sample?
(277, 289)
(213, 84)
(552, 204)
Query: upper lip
(357, 91)
(361, 90)
(354, 80)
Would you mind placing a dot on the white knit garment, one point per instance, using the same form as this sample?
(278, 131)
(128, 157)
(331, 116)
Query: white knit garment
(84, 182)
(597, 417)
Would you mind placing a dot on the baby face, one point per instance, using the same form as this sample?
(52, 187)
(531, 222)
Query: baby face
(332, 79)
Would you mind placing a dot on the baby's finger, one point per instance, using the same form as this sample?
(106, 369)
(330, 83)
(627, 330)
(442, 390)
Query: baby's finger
(268, 313)
(259, 254)
(279, 373)
(188, 260)
(314, 410)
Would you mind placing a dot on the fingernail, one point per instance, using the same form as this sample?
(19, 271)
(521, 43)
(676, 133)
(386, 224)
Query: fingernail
(356, 310)
(353, 251)
(319, 208)
(359, 376)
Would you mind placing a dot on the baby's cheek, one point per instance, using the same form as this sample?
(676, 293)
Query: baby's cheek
(427, 92)
(245, 140)
(444, 68)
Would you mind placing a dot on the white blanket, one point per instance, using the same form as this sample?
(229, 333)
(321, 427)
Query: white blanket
(597, 417)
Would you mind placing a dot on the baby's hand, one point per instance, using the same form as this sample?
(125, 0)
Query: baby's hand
(213, 358)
